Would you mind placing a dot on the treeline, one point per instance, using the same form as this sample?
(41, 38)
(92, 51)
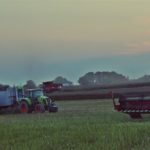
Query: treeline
(107, 78)
(30, 84)
(90, 78)
(101, 78)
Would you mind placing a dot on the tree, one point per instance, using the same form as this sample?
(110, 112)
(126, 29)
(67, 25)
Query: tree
(62, 80)
(145, 78)
(30, 84)
(110, 78)
(87, 79)
(100, 78)
(3, 87)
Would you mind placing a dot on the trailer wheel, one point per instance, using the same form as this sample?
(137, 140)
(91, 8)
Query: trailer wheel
(8, 110)
(39, 108)
(23, 107)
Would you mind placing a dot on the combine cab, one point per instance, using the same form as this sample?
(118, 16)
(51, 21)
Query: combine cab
(133, 104)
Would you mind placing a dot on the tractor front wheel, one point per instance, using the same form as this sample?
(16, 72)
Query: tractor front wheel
(39, 108)
(53, 109)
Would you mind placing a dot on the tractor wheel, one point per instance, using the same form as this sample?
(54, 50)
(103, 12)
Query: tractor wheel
(23, 107)
(39, 108)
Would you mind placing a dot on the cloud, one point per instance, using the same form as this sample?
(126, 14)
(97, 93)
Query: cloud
(140, 47)
(146, 33)
(143, 20)
(137, 48)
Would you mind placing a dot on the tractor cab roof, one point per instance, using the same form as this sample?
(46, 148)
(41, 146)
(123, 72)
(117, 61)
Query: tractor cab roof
(34, 89)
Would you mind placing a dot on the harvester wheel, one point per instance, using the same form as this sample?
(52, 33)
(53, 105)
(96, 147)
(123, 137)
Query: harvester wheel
(135, 115)
(39, 108)
(23, 107)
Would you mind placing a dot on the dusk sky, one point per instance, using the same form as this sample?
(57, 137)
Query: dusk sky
(43, 39)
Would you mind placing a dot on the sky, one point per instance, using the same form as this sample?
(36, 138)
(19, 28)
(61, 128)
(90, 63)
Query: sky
(41, 40)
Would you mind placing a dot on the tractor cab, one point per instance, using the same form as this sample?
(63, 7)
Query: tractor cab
(38, 99)
(16, 94)
(37, 96)
(35, 93)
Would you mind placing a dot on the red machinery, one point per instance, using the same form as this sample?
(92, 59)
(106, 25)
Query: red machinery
(133, 104)
(50, 86)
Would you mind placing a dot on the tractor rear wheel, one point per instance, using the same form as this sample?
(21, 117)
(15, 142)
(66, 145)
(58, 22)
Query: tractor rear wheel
(39, 108)
(23, 107)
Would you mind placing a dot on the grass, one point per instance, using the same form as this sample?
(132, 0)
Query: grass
(79, 125)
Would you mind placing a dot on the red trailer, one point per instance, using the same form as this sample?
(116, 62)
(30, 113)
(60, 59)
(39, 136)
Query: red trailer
(133, 104)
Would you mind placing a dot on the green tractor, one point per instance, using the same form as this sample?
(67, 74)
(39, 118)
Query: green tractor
(37, 102)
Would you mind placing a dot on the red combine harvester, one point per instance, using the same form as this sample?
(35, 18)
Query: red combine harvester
(50, 86)
(133, 104)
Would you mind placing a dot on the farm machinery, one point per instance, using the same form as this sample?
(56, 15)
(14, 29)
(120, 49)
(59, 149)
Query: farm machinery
(50, 86)
(74, 92)
(39, 102)
(131, 98)
(13, 99)
(134, 104)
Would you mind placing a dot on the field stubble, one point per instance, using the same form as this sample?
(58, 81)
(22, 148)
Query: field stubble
(79, 125)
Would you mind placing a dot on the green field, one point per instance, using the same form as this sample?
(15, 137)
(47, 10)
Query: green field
(79, 125)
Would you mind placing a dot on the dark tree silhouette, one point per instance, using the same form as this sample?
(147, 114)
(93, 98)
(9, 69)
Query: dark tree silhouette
(30, 84)
(100, 78)
(145, 78)
(3, 87)
(87, 79)
(62, 80)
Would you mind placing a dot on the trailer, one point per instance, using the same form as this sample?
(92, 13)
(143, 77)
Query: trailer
(134, 104)
(10, 98)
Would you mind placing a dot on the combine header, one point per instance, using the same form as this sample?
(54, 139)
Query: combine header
(133, 104)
